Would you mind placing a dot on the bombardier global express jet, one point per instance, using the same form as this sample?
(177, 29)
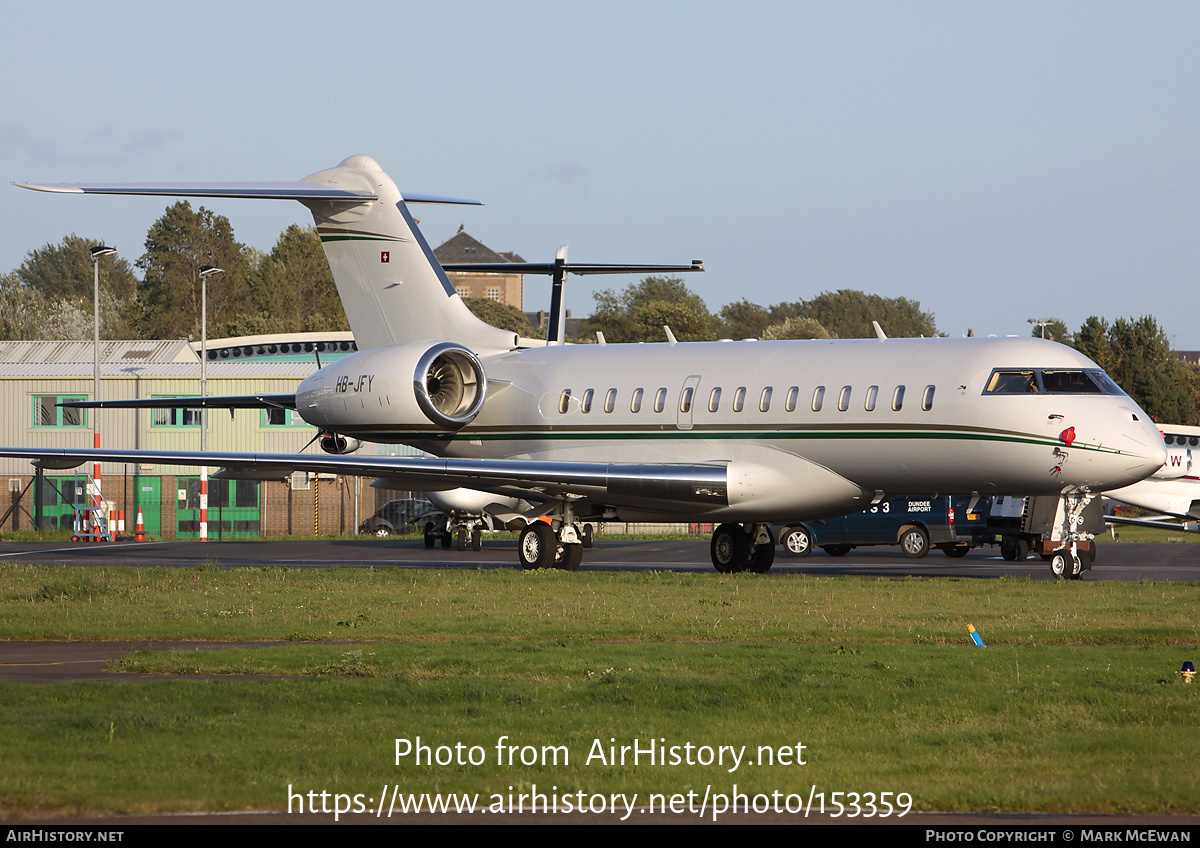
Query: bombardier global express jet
(736, 433)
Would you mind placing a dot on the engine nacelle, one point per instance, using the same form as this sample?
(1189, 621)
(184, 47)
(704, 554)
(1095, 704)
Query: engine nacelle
(337, 444)
(407, 385)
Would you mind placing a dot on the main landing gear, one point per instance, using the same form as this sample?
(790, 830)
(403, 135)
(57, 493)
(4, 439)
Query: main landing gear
(554, 540)
(738, 547)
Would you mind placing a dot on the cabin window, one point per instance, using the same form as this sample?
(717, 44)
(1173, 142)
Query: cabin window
(818, 398)
(564, 401)
(764, 401)
(739, 399)
(660, 400)
(610, 400)
(792, 395)
(635, 405)
(714, 400)
(685, 400)
(927, 399)
(1069, 382)
(844, 399)
(872, 394)
(587, 400)
(898, 398)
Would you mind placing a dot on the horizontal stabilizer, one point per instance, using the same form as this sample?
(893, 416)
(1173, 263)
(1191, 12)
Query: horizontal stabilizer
(570, 268)
(298, 190)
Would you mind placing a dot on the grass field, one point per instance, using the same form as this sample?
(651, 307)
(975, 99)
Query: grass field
(1074, 706)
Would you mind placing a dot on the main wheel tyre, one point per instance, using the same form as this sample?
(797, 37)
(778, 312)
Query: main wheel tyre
(430, 536)
(476, 539)
(761, 558)
(447, 539)
(798, 542)
(461, 538)
(586, 536)
(730, 548)
(537, 546)
(569, 557)
(956, 551)
(914, 542)
(837, 550)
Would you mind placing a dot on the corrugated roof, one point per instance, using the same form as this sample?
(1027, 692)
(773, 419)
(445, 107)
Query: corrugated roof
(244, 369)
(176, 350)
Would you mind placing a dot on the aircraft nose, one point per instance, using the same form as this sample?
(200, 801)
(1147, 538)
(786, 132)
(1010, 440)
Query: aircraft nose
(1143, 444)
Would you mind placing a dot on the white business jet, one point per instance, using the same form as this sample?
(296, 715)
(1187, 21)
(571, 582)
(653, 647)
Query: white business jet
(1174, 489)
(736, 433)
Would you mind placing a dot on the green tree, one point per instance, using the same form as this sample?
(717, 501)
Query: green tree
(178, 245)
(52, 294)
(744, 320)
(292, 290)
(1055, 330)
(639, 312)
(795, 328)
(848, 314)
(1137, 355)
(504, 316)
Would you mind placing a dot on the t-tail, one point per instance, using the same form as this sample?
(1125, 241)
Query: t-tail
(391, 286)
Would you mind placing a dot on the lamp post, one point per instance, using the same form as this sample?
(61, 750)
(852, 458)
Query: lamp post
(1038, 323)
(96, 252)
(205, 272)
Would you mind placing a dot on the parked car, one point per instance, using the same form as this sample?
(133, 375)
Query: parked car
(916, 524)
(402, 516)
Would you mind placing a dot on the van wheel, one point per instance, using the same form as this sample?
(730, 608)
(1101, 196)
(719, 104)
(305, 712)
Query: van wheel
(914, 542)
(798, 542)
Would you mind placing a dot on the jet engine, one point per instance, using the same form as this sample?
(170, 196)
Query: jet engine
(338, 444)
(405, 385)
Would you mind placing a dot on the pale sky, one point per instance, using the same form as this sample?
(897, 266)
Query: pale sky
(994, 161)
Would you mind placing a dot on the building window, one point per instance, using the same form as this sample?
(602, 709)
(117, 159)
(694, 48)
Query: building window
(176, 417)
(493, 294)
(47, 413)
(275, 416)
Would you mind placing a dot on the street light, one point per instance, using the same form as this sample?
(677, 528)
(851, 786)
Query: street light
(96, 252)
(1042, 324)
(205, 272)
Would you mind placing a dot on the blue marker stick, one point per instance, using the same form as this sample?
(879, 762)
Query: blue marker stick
(975, 637)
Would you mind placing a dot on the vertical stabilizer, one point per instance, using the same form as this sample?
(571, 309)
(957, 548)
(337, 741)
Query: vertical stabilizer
(391, 286)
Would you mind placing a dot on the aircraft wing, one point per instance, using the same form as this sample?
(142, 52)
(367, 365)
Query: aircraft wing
(654, 486)
(210, 402)
(1160, 522)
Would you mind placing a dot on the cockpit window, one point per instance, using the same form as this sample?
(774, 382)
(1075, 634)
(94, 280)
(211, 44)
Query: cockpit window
(1055, 381)
(1069, 382)
(1012, 382)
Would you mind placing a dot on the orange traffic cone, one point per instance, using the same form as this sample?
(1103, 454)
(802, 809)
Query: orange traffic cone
(139, 535)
